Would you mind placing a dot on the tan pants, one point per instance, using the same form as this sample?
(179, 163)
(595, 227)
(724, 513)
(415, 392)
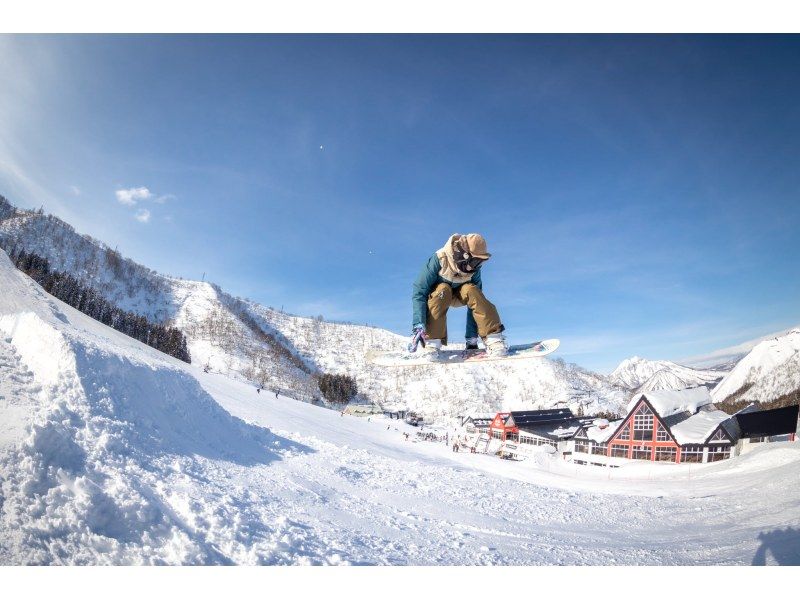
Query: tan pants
(444, 296)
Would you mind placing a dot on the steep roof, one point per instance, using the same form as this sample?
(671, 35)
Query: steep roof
(478, 418)
(670, 402)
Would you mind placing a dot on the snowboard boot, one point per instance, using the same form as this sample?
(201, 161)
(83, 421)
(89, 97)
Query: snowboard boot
(496, 345)
(433, 349)
(470, 347)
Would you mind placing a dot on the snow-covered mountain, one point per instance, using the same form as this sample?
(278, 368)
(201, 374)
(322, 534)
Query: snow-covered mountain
(283, 351)
(725, 359)
(640, 375)
(770, 370)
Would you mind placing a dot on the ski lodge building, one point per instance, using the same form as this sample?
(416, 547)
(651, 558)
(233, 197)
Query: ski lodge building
(674, 426)
(680, 426)
(543, 426)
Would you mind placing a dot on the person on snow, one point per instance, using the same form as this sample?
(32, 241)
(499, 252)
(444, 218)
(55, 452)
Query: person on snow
(452, 278)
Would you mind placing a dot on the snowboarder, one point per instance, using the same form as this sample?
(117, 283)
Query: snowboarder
(452, 278)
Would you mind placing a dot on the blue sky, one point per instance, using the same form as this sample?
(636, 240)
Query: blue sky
(641, 195)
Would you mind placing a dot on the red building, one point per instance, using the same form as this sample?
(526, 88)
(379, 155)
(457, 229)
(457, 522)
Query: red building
(644, 435)
(541, 422)
(682, 426)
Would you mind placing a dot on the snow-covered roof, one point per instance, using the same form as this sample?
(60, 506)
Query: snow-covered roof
(695, 429)
(475, 416)
(602, 435)
(565, 432)
(669, 402)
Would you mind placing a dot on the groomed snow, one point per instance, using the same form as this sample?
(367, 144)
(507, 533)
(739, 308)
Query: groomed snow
(119, 454)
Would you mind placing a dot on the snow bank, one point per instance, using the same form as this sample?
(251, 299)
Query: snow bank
(111, 451)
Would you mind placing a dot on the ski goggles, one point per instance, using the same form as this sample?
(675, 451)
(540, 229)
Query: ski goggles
(470, 263)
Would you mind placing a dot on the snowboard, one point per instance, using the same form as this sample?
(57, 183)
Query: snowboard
(452, 356)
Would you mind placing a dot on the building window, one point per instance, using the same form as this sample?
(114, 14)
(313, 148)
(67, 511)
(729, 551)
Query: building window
(599, 449)
(756, 439)
(692, 454)
(618, 450)
(718, 453)
(581, 446)
(625, 434)
(666, 453)
(643, 424)
(497, 434)
(662, 435)
(719, 437)
(511, 437)
(642, 452)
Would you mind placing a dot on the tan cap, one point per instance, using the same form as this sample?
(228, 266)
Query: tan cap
(476, 245)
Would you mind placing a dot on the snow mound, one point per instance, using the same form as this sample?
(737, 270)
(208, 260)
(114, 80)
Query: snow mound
(111, 431)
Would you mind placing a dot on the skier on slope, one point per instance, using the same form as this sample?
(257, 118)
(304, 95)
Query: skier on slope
(452, 278)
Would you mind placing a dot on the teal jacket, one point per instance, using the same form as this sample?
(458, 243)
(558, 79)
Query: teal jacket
(428, 278)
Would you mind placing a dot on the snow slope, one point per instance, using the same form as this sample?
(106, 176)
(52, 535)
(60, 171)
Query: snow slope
(220, 334)
(212, 320)
(772, 367)
(111, 452)
(644, 375)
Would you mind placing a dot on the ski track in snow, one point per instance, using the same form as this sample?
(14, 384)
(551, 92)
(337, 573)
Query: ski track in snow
(112, 453)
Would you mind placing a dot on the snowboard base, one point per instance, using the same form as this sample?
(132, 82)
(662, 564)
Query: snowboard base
(451, 356)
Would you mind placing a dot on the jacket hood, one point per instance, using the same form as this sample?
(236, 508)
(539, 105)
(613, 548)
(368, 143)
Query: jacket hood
(449, 271)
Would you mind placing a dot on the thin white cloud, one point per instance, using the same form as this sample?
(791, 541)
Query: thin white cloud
(129, 197)
(143, 216)
(74, 190)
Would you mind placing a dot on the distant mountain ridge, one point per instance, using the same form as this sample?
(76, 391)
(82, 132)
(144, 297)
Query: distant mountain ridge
(639, 375)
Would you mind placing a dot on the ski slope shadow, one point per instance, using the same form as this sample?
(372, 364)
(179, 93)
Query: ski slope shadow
(163, 410)
(782, 544)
